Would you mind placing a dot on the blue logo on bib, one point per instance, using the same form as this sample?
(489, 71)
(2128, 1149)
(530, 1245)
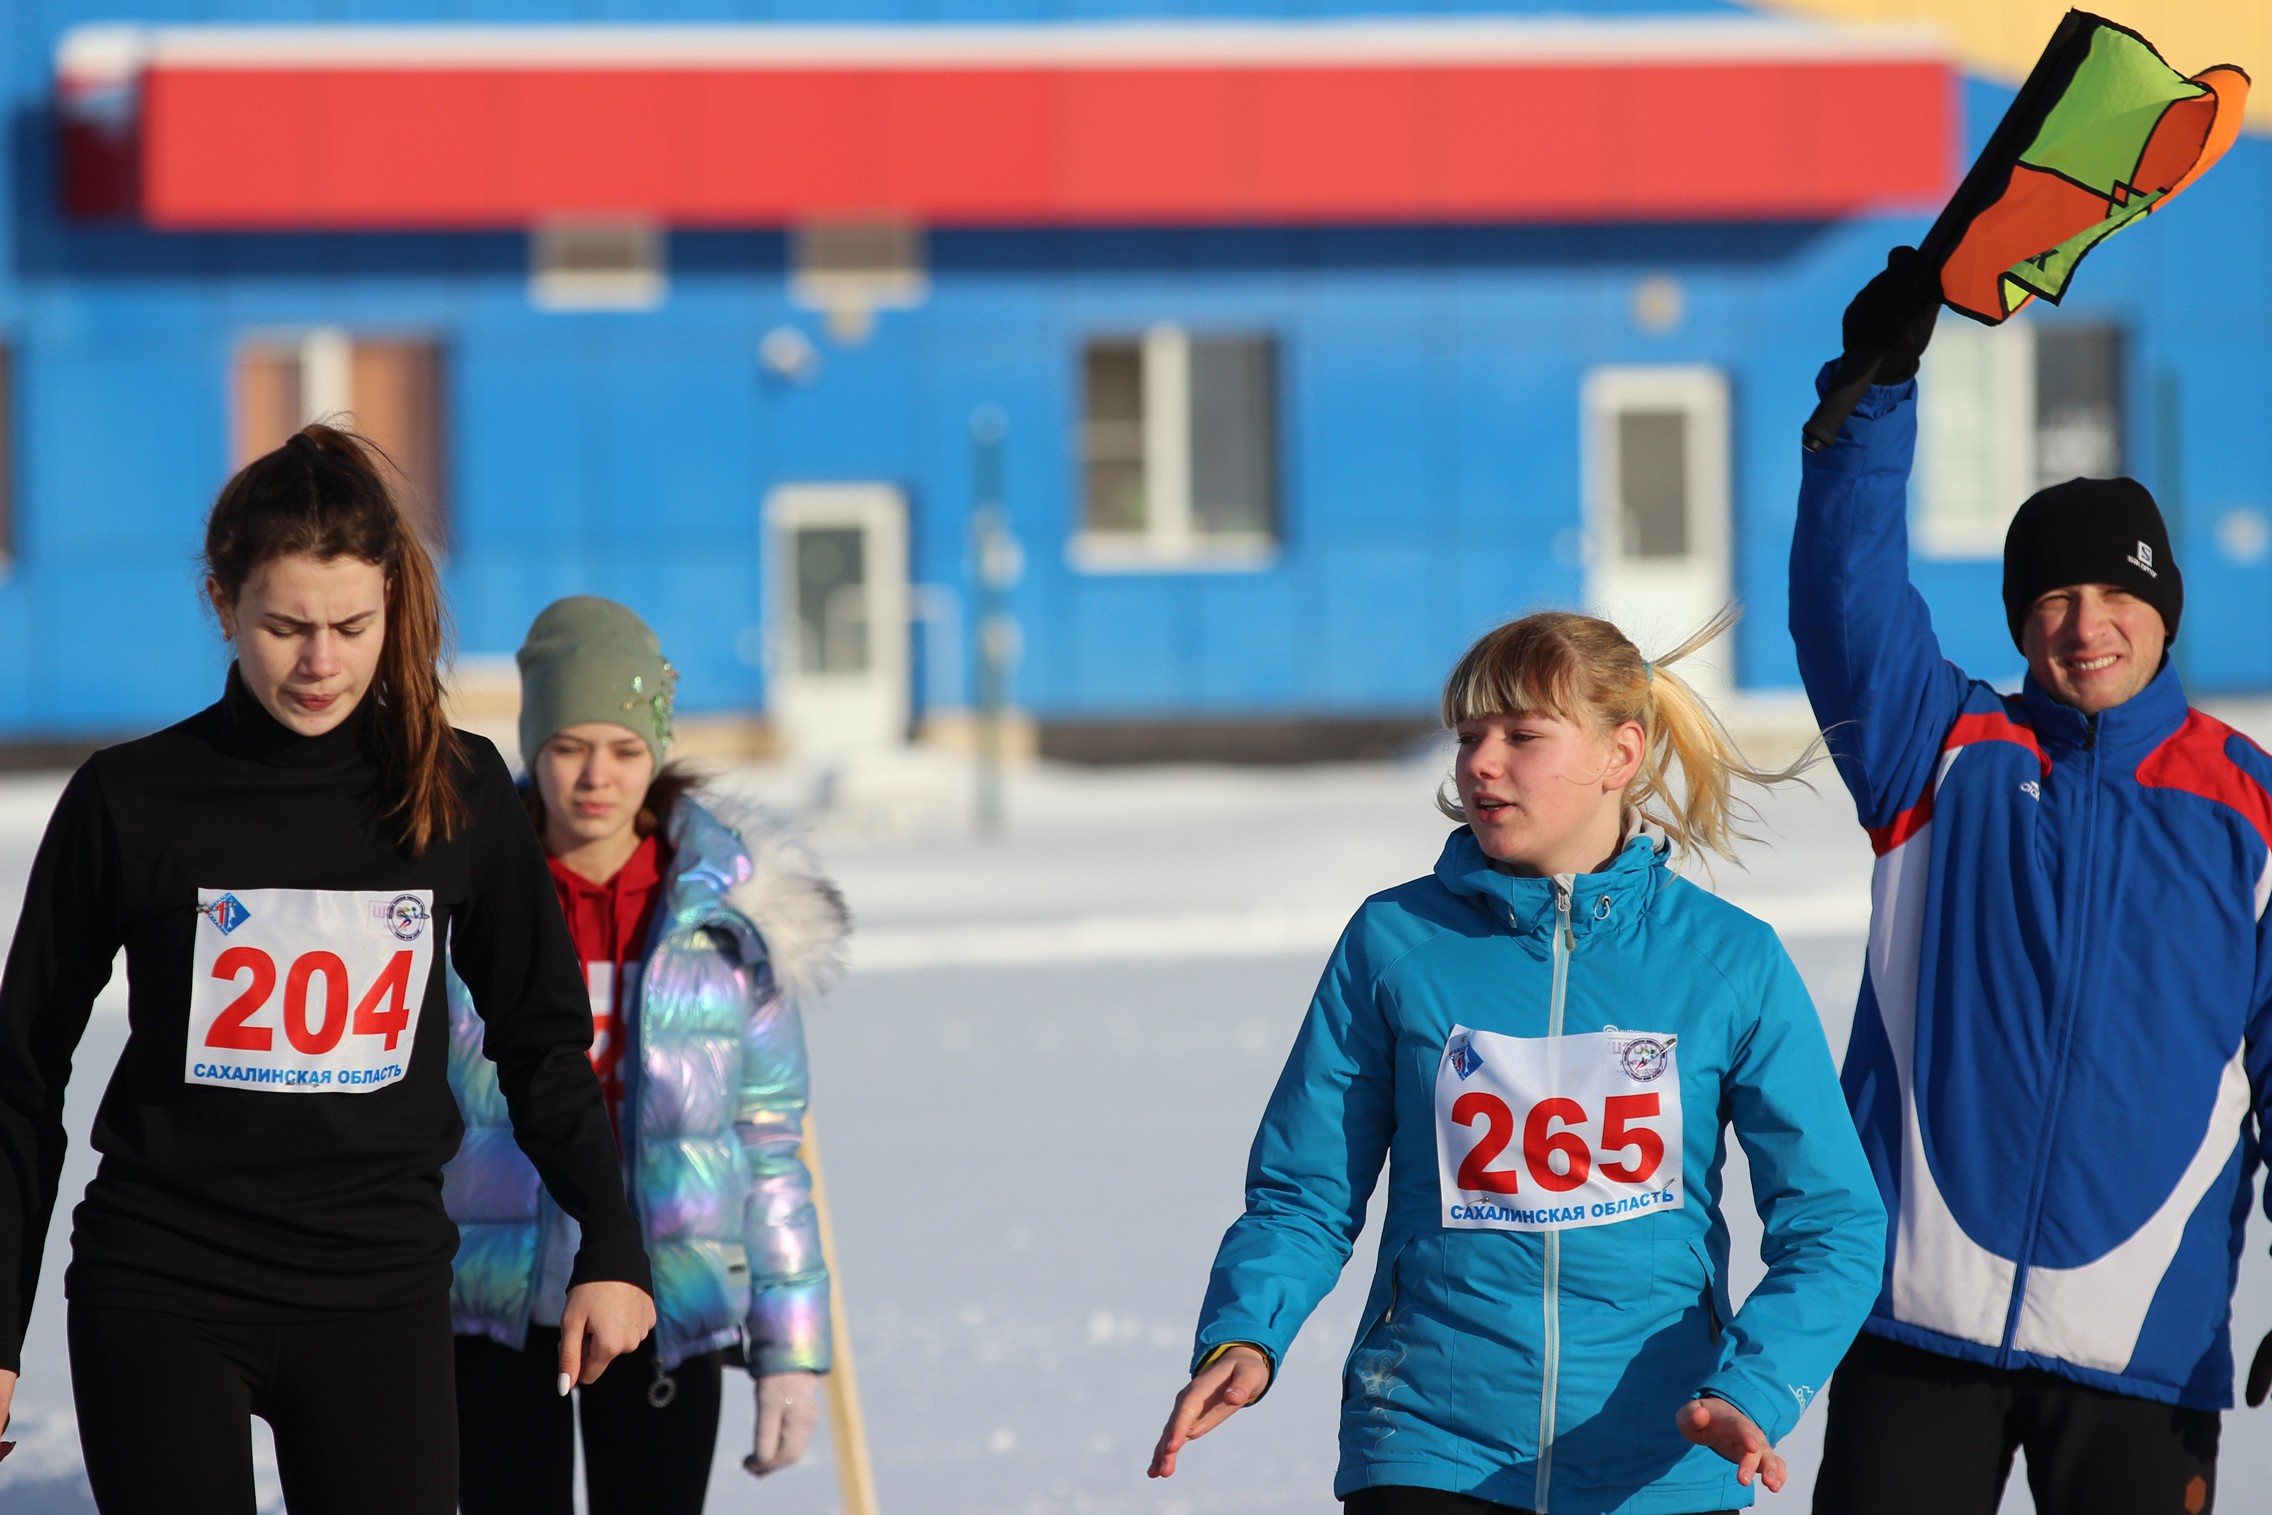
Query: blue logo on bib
(1463, 1056)
(227, 912)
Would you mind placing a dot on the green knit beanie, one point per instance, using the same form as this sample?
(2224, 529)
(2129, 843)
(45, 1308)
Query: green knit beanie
(589, 659)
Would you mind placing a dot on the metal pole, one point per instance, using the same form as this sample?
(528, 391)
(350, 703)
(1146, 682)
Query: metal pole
(998, 563)
(2169, 471)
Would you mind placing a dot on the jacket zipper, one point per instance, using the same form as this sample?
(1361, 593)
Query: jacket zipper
(1550, 1355)
(2065, 1031)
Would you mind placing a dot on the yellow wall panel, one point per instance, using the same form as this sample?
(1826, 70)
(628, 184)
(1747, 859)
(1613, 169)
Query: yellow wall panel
(2000, 39)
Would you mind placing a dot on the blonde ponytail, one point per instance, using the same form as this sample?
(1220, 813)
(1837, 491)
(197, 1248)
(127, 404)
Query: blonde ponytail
(1584, 670)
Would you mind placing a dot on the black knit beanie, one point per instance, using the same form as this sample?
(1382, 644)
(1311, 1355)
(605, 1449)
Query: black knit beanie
(2091, 531)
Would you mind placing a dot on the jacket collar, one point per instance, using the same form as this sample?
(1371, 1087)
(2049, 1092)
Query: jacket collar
(2131, 729)
(1612, 898)
(708, 861)
(251, 732)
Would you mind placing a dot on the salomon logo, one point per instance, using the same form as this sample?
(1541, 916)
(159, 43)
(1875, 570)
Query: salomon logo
(2143, 561)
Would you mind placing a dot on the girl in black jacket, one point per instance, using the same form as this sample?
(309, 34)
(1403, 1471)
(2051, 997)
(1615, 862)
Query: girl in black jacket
(265, 1235)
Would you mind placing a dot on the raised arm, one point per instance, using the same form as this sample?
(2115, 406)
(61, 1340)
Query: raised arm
(1825, 1226)
(1872, 666)
(65, 940)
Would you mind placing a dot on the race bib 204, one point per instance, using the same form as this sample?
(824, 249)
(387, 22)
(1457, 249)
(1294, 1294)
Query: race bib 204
(1544, 1134)
(307, 991)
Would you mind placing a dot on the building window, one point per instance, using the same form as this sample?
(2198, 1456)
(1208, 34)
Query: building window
(2004, 411)
(387, 388)
(1178, 450)
(850, 270)
(598, 265)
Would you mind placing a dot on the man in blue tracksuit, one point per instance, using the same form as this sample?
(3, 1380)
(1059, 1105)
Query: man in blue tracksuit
(2059, 1062)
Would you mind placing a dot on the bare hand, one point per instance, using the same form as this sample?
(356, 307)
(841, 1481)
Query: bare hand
(1715, 1423)
(1216, 1392)
(7, 1397)
(603, 1320)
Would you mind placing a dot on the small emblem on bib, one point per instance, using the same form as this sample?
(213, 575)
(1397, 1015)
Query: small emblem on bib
(1462, 1053)
(226, 912)
(1643, 1059)
(406, 916)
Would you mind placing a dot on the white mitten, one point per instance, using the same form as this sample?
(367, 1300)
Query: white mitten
(788, 1407)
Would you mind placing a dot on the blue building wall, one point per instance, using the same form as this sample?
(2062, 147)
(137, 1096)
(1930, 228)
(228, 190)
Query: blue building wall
(1429, 392)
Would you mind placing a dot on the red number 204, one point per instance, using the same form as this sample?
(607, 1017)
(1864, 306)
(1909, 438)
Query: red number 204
(315, 1002)
(1541, 1142)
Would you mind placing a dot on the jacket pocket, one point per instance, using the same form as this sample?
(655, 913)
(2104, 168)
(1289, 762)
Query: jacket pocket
(1376, 1357)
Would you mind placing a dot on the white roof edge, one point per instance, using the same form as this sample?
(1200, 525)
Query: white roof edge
(102, 50)
(102, 54)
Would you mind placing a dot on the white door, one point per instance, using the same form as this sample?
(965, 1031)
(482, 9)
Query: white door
(839, 617)
(1657, 517)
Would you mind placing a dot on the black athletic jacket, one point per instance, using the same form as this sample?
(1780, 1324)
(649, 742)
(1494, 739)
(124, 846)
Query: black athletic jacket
(303, 1176)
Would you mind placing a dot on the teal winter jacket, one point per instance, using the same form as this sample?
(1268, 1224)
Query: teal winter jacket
(1550, 1068)
(712, 1115)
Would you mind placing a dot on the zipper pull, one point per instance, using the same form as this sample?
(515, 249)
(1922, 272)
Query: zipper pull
(1562, 915)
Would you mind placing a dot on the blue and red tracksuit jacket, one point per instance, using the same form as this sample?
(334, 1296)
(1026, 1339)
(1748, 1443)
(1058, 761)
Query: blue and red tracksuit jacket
(2059, 1062)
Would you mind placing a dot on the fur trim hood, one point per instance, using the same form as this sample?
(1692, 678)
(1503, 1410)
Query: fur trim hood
(776, 885)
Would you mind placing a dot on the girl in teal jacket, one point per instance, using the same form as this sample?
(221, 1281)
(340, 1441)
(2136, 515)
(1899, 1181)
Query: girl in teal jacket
(1548, 1039)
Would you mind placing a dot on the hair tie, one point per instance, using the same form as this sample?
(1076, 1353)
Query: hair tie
(1649, 670)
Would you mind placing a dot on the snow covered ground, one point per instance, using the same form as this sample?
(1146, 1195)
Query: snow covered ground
(1034, 1095)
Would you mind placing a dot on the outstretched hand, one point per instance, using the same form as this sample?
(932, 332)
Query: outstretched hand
(1728, 1431)
(1216, 1392)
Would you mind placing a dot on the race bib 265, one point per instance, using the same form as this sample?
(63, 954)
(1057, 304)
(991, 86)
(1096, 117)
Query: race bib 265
(1544, 1134)
(307, 991)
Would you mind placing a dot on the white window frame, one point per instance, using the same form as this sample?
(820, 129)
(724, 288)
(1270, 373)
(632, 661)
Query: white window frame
(1170, 540)
(1976, 438)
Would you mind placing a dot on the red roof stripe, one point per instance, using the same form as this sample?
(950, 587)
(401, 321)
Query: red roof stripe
(308, 137)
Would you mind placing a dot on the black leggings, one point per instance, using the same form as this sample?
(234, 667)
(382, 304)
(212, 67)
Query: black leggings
(360, 1406)
(1912, 1430)
(516, 1435)
(1402, 1499)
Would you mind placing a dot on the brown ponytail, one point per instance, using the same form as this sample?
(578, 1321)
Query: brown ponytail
(322, 495)
(1586, 671)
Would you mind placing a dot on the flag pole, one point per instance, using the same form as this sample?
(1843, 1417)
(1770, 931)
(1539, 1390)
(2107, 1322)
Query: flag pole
(1989, 176)
(847, 1428)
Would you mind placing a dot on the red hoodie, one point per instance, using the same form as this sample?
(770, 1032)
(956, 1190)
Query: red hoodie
(608, 923)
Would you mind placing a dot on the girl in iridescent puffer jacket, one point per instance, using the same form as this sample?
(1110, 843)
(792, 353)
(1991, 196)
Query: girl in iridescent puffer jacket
(698, 928)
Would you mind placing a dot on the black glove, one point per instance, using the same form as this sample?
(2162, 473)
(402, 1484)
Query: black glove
(1894, 315)
(2260, 1374)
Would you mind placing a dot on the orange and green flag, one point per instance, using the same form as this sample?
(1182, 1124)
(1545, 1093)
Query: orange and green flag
(2102, 132)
